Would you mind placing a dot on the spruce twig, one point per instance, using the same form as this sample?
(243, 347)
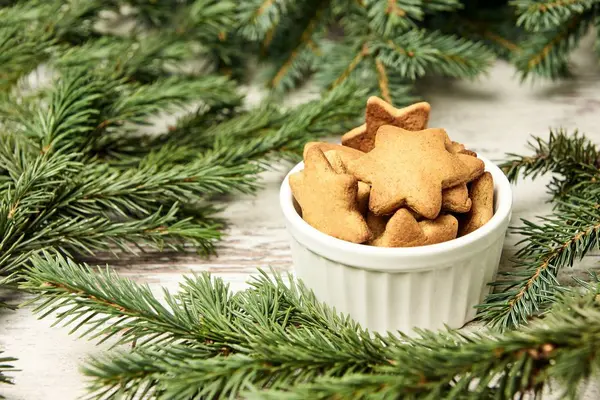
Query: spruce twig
(556, 241)
(287, 338)
(559, 241)
(569, 157)
(418, 52)
(550, 14)
(545, 54)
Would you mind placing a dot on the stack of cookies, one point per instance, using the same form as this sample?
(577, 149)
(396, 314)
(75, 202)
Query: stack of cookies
(393, 182)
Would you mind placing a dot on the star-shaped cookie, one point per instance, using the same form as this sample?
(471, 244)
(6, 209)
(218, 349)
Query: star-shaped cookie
(329, 200)
(401, 230)
(482, 210)
(378, 113)
(456, 199)
(338, 160)
(347, 152)
(441, 229)
(409, 168)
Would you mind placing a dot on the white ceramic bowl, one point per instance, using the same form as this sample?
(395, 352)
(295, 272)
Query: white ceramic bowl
(389, 289)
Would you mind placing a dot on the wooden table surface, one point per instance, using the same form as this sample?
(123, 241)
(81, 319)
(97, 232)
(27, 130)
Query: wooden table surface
(493, 115)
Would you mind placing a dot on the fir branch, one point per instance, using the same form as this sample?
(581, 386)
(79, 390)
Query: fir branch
(246, 323)
(389, 17)
(159, 231)
(140, 101)
(21, 51)
(349, 65)
(193, 128)
(496, 27)
(73, 111)
(209, 20)
(27, 13)
(508, 47)
(134, 104)
(105, 304)
(542, 15)
(33, 189)
(355, 61)
(558, 240)
(563, 238)
(486, 365)
(309, 346)
(75, 21)
(571, 158)
(155, 14)
(266, 131)
(559, 154)
(296, 61)
(145, 59)
(417, 53)
(16, 154)
(335, 112)
(545, 54)
(140, 191)
(33, 30)
(257, 19)
(84, 111)
(193, 133)
(186, 374)
(66, 21)
(24, 203)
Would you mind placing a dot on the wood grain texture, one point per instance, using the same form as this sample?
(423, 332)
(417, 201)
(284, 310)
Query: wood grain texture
(492, 116)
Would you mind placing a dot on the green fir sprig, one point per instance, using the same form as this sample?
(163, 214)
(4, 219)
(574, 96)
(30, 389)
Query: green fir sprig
(206, 341)
(556, 241)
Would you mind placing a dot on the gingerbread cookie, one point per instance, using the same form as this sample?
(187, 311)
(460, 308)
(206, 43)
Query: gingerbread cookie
(441, 229)
(362, 197)
(348, 152)
(328, 199)
(473, 164)
(456, 199)
(335, 161)
(409, 168)
(379, 113)
(459, 148)
(401, 230)
(338, 160)
(354, 138)
(455, 147)
(376, 224)
(481, 192)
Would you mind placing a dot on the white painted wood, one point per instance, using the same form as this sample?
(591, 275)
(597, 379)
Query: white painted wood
(493, 115)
